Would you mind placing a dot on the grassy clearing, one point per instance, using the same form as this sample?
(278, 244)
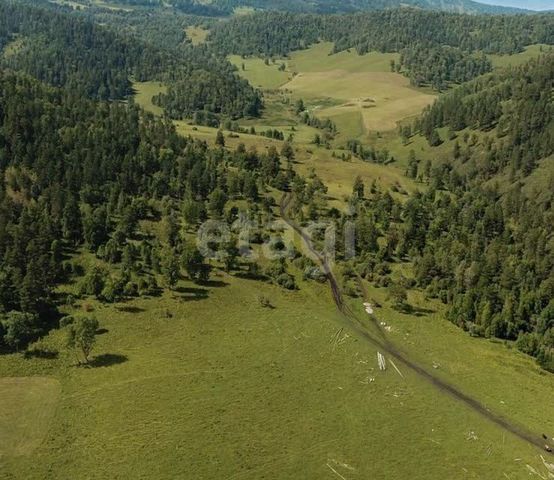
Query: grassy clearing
(69, 3)
(381, 98)
(276, 394)
(532, 51)
(358, 92)
(145, 91)
(13, 47)
(339, 176)
(232, 140)
(259, 74)
(318, 58)
(346, 87)
(196, 34)
(27, 405)
(238, 11)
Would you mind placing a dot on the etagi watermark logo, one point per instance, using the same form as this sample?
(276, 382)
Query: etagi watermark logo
(278, 239)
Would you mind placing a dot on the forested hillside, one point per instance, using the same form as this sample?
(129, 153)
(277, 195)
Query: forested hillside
(436, 48)
(99, 62)
(516, 103)
(490, 254)
(227, 7)
(79, 172)
(67, 51)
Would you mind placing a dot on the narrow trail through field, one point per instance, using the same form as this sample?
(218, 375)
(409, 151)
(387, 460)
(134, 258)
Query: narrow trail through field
(385, 345)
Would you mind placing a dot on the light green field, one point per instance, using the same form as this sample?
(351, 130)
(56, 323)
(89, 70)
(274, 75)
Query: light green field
(277, 394)
(112, 5)
(339, 176)
(27, 406)
(238, 11)
(145, 91)
(69, 3)
(381, 98)
(232, 140)
(196, 34)
(12, 47)
(532, 51)
(260, 75)
(318, 58)
(358, 92)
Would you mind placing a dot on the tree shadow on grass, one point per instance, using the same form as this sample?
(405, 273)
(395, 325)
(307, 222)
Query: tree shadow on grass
(107, 360)
(251, 276)
(40, 353)
(421, 312)
(411, 310)
(130, 309)
(192, 293)
(214, 283)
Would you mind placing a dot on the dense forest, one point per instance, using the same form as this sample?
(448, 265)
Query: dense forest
(65, 51)
(436, 48)
(517, 103)
(490, 253)
(98, 62)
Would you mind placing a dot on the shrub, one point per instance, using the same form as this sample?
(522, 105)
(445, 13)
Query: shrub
(287, 281)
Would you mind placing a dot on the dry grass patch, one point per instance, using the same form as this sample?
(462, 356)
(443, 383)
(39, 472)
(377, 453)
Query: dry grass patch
(27, 405)
(382, 98)
(197, 35)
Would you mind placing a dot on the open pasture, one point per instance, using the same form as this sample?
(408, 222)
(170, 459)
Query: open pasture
(532, 51)
(260, 75)
(276, 393)
(380, 98)
(145, 91)
(318, 58)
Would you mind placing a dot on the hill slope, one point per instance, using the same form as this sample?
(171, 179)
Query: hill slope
(226, 7)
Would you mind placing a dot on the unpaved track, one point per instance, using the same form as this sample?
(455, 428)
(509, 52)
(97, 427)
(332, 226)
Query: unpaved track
(385, 345)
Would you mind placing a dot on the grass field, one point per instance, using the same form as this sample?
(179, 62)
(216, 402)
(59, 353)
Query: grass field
(318, 58)
(339, 175)
(358, 92)
(145, 91)
(196, 34)
(532, 51)
(238, 11)
(274, 393)
(259, 74)
(27, 405)
(380, 98)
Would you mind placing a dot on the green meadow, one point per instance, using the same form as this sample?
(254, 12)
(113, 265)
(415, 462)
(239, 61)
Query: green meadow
(205, 380)
(358, 93)
(260, 75)
(532, 51)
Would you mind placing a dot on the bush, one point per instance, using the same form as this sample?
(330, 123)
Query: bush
(67, 320)
(131, 289)
(287, 281)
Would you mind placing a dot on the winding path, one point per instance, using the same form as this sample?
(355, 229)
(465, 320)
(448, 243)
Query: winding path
(385, 345)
